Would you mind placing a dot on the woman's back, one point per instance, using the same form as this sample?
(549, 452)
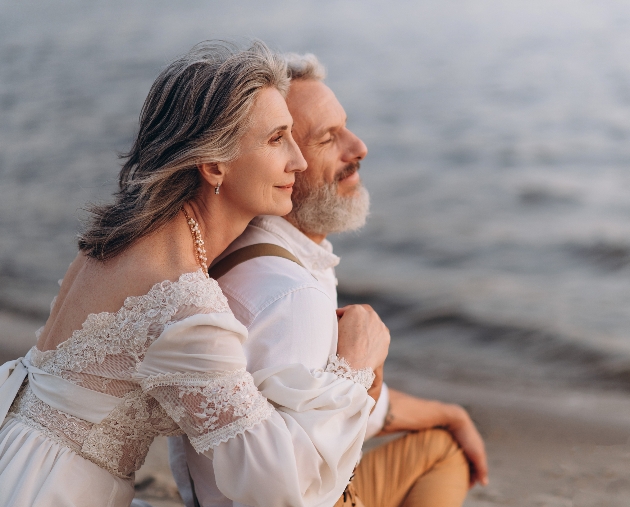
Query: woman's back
(93, 287)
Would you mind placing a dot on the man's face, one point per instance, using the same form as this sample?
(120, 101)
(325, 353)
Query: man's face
(332, 152)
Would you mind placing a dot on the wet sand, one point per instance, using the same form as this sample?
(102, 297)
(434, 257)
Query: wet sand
(556, 435)
(546, 447)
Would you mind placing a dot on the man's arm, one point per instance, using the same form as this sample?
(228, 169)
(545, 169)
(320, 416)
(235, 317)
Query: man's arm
(408, 413)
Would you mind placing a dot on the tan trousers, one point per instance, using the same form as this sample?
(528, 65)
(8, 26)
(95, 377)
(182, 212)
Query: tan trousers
(422, 469)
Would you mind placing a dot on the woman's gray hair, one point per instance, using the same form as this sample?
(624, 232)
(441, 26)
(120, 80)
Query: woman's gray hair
(197, 111)
(305, 66)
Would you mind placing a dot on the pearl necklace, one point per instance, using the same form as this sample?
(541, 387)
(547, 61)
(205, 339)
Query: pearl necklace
(200, 248)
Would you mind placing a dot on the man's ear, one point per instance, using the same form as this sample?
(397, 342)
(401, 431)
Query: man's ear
(212, 172)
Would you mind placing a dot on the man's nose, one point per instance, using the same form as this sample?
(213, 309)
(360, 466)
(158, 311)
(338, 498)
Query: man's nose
(356, 149)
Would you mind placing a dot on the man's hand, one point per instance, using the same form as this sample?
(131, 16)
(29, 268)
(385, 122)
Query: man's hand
(466, 435)
(408, 413)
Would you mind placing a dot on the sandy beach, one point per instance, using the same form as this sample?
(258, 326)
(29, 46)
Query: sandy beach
(557, 449)
(552, 441)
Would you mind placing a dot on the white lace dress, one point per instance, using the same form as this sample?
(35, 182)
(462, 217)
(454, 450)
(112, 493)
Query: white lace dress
(171, 362)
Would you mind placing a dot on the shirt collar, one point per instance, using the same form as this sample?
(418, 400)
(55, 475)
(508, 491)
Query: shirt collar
(315, 257)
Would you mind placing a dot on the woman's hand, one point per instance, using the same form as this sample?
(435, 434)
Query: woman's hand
(363, 338)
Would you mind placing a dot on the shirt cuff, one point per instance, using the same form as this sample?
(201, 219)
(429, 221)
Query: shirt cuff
(377, 417)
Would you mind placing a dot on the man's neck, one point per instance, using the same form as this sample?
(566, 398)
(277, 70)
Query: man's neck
(317, 238)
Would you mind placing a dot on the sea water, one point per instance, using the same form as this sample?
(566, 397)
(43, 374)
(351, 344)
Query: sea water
(498, 136)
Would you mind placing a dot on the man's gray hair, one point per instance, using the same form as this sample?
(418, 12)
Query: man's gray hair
(305, 66)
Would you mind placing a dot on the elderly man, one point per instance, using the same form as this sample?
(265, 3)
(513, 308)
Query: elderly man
(288, 308)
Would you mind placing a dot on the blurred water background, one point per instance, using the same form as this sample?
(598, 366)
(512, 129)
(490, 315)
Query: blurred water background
(498, 136)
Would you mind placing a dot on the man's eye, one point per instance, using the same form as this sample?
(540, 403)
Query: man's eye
(327, 140)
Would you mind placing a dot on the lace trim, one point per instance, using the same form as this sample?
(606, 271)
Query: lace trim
(64, 442)
(121, 441)
(210, 407)
(127, 330)
(63, 428)
(340, 367)
(238, 427)
(119, 444)
(187, 379)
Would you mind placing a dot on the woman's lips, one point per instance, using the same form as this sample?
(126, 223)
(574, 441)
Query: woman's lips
(287, 188)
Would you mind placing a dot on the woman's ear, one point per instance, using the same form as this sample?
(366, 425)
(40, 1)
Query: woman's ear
(212, 172)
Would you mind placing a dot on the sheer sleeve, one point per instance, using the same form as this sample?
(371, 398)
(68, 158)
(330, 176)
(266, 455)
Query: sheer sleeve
(260, 457)
(196, 371)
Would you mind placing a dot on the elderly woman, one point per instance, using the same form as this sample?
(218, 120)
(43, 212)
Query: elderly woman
(141, 342)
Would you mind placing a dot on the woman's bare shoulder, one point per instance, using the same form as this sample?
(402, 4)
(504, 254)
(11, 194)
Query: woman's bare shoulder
(91, 286)
(150, 260)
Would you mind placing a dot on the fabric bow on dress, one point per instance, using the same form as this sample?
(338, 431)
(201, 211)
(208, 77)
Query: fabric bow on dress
(53, 390)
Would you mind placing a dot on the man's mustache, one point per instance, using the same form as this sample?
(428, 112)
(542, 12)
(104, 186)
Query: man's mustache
(350, 169)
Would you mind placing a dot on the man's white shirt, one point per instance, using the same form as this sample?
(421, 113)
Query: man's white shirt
(289, 312)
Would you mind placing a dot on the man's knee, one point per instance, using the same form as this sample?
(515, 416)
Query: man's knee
(435, 442)
(437, 449)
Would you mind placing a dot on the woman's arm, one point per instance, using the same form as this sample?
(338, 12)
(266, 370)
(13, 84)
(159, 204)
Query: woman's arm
(303, 455)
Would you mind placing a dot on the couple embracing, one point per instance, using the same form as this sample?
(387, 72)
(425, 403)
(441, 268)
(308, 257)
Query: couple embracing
(242, 165)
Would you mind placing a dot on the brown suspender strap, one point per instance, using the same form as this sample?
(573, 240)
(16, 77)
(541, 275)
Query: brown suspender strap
(246, 253)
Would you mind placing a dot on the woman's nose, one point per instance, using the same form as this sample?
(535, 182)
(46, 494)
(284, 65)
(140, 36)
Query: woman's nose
(297, 162)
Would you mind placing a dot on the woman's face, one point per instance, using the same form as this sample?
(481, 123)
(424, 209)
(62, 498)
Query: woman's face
(260, 180)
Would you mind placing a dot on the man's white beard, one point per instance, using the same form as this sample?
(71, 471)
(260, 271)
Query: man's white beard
(322, 211)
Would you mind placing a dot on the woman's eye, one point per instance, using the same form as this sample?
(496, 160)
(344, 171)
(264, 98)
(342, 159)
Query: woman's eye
(277, 138)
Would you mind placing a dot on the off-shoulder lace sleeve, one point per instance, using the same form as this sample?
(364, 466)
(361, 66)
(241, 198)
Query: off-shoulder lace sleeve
(210, 407)
(196, 371)
(340, 367)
